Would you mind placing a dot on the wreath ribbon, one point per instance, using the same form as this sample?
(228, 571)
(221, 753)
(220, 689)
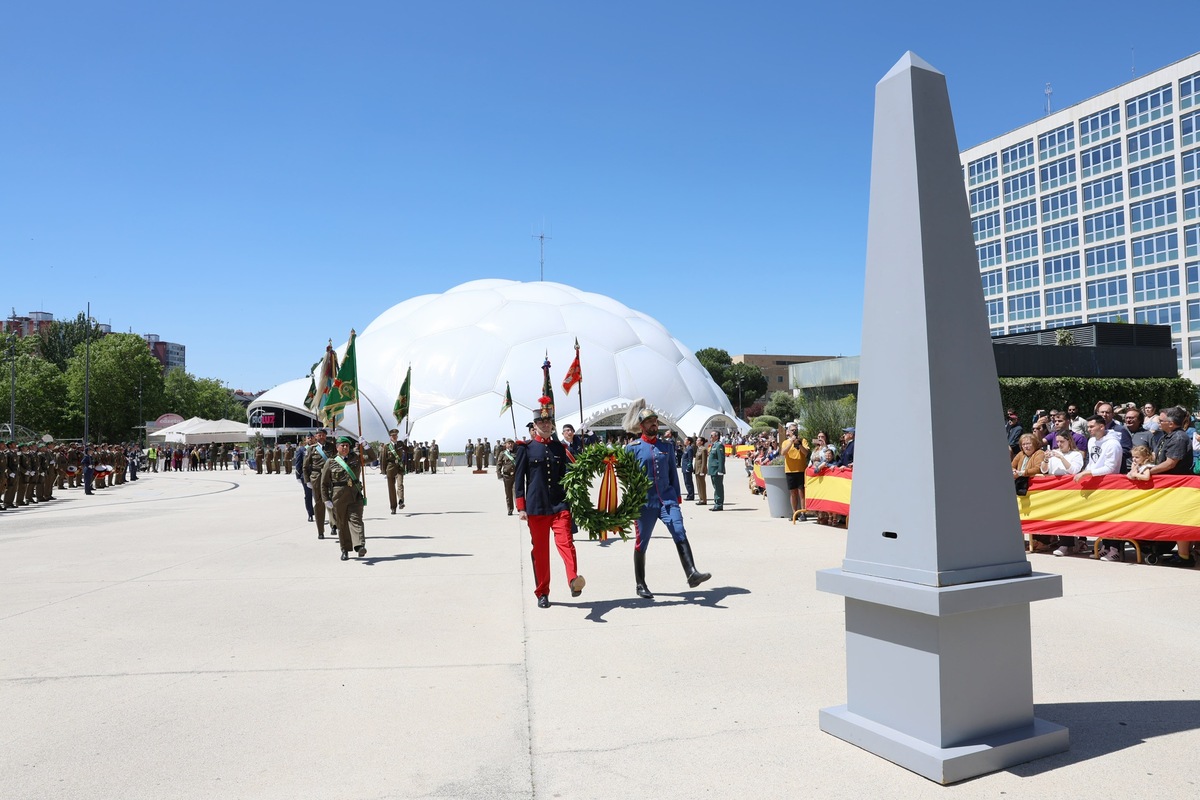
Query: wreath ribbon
(607, 501)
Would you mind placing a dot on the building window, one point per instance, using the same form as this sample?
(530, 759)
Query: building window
(1056, 142)
(1193, 277)
(1193, 307)
(1023, 245)
(1024, 306)
(1151, 142)
(1100, 158)
(1060, 268)
(985, 197)
(1104, 225)
(1155, 248)
(1108, 292)
(1025, 184)
(1154, 177)
(1060, 204)
(1191, 166)
(1025, 327)
(1106, 259)
(1108, 316)
(1064, 322)
(1191, 241)
(1063, 300)
(1095, 127)
(982, 169)
(1060, 236)
(986, 226)
(1104, 191)
(1017, 156)
(1177, 346)
(1020, 216)
(1023, 276)
(1154, 104)
(1191, 197)
(1155, 284)
(989, 254)
(993, 282)
(1164, 314)
(1152, 213)
(1193, 353)
(995, 311)
(1058, 173)
(1189, 90)
(1187, 128)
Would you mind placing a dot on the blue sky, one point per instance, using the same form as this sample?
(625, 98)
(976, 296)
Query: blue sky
(251, 179)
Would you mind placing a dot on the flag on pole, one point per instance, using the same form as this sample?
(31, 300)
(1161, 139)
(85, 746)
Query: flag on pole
(400, 410)
(507, 399)
(345, 386)
(311, 397)
(574, 373)
(324, 382)
(547, 387)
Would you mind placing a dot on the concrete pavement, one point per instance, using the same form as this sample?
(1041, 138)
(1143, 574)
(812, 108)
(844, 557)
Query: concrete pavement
(187, 636)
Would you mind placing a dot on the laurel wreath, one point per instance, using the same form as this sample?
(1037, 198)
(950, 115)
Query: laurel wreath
(631, 478)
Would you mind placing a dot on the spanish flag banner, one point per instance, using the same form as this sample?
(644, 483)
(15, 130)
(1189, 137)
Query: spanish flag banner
(828, 491)
(1166, 507)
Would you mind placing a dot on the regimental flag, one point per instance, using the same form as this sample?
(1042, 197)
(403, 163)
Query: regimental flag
(344, 390)
(547, 387)
(311, 397)
(574, 373)
(507, 399)
(324, 382)
(400, 410)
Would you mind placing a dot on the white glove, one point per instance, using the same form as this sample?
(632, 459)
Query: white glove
(329, 504)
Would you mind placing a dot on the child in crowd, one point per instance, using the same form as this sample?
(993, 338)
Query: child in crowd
(1141, 460)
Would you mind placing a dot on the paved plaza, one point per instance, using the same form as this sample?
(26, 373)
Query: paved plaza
(187, 636)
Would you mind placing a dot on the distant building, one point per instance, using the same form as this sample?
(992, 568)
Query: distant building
(775, 368)
(169, 354)
(31, 325)
(1092, 213)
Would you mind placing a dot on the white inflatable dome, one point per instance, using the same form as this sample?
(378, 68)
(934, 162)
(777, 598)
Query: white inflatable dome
(464, 345)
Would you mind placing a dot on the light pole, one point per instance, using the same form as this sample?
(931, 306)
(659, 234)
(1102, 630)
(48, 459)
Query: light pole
(12, 389)
(141, 419)
(741, 407)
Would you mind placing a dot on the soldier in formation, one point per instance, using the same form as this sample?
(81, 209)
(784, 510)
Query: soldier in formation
(343, 495)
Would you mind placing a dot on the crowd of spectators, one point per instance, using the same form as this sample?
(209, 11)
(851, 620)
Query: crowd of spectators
(1136, 441)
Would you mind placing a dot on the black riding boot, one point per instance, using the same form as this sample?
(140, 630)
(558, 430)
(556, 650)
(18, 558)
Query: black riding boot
(639, 574)
(694, 578)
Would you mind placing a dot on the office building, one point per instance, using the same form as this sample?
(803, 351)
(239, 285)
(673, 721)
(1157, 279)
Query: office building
(1089, 214)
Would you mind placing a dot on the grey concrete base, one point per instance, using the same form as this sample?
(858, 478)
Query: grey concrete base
(947, 764)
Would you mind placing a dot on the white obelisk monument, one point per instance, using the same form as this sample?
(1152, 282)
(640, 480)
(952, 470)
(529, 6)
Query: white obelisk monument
(937, 586)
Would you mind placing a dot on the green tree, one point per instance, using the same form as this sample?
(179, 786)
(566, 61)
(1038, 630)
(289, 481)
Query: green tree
(782, 405)
(180, 393)
(121, 365)
(41, 395)
(752, 383)
(821, 413)
(214, 400)
(716, 361)
(58, 340)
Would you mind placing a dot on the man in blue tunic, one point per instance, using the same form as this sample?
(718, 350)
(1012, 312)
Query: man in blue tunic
(657, 457)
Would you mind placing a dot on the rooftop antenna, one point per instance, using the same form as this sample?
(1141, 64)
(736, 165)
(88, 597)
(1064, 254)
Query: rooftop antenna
(1049, 91)
(542, 237)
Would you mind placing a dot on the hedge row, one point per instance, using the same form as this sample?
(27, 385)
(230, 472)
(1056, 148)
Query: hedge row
(1027, 395)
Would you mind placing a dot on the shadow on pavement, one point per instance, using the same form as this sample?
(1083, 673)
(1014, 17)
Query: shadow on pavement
(433, 513)
(710, 598)
(398, 537)
(1100, 729)
(371, 561)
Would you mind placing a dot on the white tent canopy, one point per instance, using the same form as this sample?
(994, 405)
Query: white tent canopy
(468, 344)
(201, 431)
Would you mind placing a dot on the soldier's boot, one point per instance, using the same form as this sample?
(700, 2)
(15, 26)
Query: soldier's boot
(694, 576)
(639, 574)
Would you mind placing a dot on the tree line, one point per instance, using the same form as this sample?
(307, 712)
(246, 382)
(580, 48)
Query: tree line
(51, 373)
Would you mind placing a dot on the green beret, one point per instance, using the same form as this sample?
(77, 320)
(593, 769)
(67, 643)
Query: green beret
(345, 440)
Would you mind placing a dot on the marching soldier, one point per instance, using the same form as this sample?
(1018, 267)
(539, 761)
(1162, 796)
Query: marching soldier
(391, 463)
(259, 455)
(342, 488)
(315, 459)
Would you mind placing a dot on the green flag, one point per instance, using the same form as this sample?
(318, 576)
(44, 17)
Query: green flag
(400, 410)
(344, 389)
(507, 399)
(310, 398)
(324, 381)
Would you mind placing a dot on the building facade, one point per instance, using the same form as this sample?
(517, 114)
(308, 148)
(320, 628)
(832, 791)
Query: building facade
(775, 368)
(1090, 214)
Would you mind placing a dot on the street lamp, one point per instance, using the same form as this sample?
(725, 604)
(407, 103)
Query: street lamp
(741, 407)
(141, 417)
(12, 397)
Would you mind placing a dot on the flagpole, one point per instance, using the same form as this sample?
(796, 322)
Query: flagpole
(362, 467)
(408, 416)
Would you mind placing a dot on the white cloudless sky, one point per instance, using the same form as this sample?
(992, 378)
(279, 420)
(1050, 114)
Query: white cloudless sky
(252, 179)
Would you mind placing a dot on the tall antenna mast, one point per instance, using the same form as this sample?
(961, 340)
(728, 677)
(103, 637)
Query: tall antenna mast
(1049, 91)
(542, 237)
(1132, 64)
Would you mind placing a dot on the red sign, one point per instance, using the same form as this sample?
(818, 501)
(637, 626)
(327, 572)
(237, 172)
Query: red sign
(268, 419)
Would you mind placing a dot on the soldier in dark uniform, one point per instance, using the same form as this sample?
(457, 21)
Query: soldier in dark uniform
(342, 488)
(433, 456)
(8, 474)
(542, 502)
(259, 455)
(314, 465)
(391, 464)
(506, 470)
(470, 452)
(289, 455)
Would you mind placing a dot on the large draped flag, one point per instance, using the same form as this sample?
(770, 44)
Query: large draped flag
(400, 410)
(311, 398)
(325, 379)
(345, 386)
(574, 373)
(507, 399)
